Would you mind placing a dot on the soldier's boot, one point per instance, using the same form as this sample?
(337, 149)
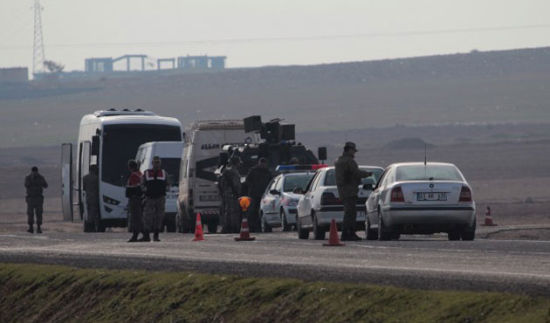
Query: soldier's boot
(145, 238)
(133, 238)
(38, 230)
(30, 229)
(156, 236)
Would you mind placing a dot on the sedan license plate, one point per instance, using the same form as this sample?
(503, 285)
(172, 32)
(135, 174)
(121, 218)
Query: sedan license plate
(431, 196)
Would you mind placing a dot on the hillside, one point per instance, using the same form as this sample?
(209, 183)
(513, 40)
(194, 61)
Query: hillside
(478, 87)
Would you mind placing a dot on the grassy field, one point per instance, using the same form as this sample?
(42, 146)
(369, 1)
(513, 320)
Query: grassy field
(43, 293)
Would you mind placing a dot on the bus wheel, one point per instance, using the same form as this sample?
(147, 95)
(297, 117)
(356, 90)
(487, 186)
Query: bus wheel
(99, 226)
(212, 225)
(170, 222)
(88, 226)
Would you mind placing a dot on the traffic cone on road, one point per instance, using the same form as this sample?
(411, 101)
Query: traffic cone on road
(488, 217)
(333, 240)
(199, 235)
(245, 233)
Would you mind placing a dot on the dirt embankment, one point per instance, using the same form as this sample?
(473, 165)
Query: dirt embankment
(40, 293)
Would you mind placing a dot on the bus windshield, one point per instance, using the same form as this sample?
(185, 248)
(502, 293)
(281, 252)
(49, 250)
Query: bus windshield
(120, 143)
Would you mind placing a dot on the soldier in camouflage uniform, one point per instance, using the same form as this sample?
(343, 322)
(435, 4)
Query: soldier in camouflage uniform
(134, 194)
(231, 189)
(35, 183)
(348, 178)
(154, 183)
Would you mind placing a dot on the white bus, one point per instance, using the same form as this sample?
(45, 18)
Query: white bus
(198, 191)
(108, 139)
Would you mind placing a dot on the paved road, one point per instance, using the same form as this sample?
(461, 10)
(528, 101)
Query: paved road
(433, 263)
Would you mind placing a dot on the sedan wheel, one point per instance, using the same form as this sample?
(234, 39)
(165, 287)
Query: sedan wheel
(265, 226)
(383, 234)
(302, 234)
(318, 232)
(371, 234)
(469, 233)
(284, 222)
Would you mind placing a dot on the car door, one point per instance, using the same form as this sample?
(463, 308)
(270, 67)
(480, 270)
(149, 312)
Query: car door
(304, 205)
(278, 198)
(309, 198)
(269, 199)
(383, 191)
(372, 201)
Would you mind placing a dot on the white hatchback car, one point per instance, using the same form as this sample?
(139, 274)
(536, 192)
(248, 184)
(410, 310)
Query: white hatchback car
(421, 198)
(321, 203)
(278, 204)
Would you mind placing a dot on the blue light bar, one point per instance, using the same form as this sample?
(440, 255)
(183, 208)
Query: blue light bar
(285, 168)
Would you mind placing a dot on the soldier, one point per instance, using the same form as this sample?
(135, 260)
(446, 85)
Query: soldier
(348, 177)
(231, 189)
(256, 181)
(90, 185)
(134, 193)
(34, 183)
(154, 182)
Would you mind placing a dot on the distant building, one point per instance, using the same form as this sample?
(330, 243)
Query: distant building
(14, 75)
(103, 64)
(183, 63)
(201, 62)
(125, 66)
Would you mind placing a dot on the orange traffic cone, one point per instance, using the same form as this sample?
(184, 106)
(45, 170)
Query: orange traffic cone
(245, 233)
(488, 217)
(199, 235)
(333, 240)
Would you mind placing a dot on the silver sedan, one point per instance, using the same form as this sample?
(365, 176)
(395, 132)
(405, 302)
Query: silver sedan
(421, 198)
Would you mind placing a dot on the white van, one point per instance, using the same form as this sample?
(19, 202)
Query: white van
(170, 153)
(108, 138)
(198, 191)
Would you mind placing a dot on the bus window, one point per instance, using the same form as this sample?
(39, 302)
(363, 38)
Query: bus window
(120, 143)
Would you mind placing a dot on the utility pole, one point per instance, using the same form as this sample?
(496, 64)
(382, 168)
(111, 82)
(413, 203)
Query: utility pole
(38, 55)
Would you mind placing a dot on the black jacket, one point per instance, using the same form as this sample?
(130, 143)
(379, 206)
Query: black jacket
(35, 183)
(257, 180)
(155, 183)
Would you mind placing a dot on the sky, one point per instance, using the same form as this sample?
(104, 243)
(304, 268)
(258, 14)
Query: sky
(259, 33)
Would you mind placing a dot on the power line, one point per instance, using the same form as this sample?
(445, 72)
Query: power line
(298, 38)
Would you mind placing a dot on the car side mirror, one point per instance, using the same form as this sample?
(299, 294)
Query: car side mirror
(274, 192)
(368, 187)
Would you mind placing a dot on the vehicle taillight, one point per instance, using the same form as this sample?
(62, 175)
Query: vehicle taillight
(465, 195)
(329, 198)
(397, 195)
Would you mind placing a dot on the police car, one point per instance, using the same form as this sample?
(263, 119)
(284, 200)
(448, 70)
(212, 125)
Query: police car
(321, 203)
(278, 204)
